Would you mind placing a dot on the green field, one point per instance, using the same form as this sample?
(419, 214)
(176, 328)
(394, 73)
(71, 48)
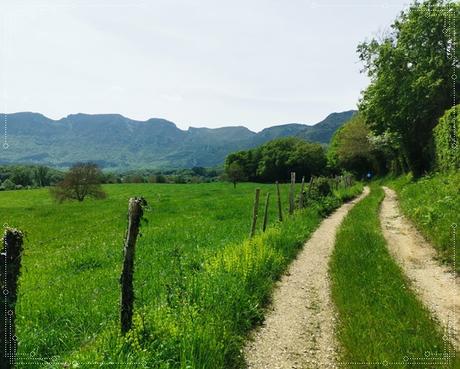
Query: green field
(200, 284)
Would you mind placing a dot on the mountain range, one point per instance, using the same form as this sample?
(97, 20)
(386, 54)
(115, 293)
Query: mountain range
(116, 142)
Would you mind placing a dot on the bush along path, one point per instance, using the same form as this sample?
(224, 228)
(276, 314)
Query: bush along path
(381, 322)
(299, 330)
(436, 286)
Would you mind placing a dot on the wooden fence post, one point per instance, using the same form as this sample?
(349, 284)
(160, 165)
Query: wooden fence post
(291, 194)
(280, 208)
(255, 212)
(310, 184)
(135, 213)
(10, 261)
(301, 193)
(266, 212)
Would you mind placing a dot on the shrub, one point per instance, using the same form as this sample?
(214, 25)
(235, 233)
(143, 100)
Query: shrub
(322, 185)
(446, 140)
(8, 184)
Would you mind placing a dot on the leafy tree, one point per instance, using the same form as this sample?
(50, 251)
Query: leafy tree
(42, 176)
(446, 136)
(275, 160)
(235, 173)
(8, 184)
(160, 178)
(411, 72)
(22, 176)
(81, 181)
(199, 171)
(352, 150)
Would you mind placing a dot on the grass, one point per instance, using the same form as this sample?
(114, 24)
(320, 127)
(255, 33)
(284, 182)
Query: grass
(200, 283)
(433, 204)
(381, 321)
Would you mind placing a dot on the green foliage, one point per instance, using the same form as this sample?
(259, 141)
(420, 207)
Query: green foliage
(200, 284)
(194, 175)
(235, 172)
(381, 320)
(81, 181)
(8, 184)
(446, 135)
(411, 72)
(353, 150)
(322, 186)
(275, 160)
(30, 175)
(433, 204)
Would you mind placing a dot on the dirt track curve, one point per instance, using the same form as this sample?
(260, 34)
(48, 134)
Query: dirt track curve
(299, 330)
(435, 285)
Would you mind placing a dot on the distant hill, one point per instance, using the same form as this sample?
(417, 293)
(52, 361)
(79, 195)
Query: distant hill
(116, 142)
(323, 131)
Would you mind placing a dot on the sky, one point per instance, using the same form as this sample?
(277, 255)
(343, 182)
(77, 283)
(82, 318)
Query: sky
(202, 63)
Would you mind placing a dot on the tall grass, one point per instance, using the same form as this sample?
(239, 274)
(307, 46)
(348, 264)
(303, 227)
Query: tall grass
(380, 320)
(200, 283)
(433, 204)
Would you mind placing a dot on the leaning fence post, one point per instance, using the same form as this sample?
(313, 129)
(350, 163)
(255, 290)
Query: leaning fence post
(135, 212)
(10, 261)
(310, 184)
(301, 193)
(266, 212)
(280, 208)
(291, 194)
(255, 212)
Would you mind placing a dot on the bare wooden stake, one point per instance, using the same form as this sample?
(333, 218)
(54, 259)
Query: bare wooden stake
(280, 208)
(10, 261)
(301, 193)
(255, 213)
(292, 194)
(135, 212)
(266, 212)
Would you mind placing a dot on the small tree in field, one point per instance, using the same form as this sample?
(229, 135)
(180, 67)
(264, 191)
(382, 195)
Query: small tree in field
(82, 180)
(235, 173)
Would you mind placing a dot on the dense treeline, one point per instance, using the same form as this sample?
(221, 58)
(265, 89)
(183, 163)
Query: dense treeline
(24, 176)
(33, 176)
(413, 71)
(275, 160)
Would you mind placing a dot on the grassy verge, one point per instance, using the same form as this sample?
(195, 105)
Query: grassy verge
(381, 321)
(202, 319)
(433, 204)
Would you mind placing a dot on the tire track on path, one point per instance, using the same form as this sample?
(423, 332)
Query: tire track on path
(298, 331)
(435, 284)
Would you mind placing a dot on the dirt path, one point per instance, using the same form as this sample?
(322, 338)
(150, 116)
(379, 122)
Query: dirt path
(299, 330)
(436, 286)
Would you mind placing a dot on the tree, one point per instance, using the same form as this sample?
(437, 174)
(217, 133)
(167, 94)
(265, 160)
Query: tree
(21, 176)
(41, 176)
(351, 148)
(82, 180)
(8, 184)
(411, 71)
(235, 173)
(275, 159)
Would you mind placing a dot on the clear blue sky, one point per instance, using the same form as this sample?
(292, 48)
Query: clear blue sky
(198, 63)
